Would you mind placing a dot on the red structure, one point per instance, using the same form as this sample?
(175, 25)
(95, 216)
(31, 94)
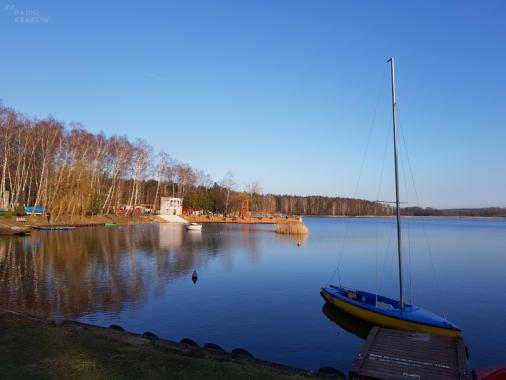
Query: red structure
(244, 208)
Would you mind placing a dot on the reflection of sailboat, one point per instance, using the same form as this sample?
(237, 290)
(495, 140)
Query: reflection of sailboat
(346, 321)
(381, 310)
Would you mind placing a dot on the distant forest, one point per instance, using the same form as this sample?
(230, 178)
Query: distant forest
(69, 171)
(483, 212)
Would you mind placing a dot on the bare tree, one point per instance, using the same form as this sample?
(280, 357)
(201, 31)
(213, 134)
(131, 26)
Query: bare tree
(203, 179)
(118, 157)
(71, 172)
(254, 189)
(228, 183)
(140, 170)
(185, 178)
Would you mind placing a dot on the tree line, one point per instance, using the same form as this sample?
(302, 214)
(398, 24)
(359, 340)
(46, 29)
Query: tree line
(69, 171)
(458, 212)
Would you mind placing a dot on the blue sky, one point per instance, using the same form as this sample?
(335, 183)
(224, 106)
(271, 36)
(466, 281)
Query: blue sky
(283, 92)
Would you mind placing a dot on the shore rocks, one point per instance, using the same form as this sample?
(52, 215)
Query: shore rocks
(189, 342)
(330, 372)
(186, 347)
(241, 354)
(212, 346)
(149, 335)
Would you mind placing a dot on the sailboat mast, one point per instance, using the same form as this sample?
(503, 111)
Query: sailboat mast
(397, 208)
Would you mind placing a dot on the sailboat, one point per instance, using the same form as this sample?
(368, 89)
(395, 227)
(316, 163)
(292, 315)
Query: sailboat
(380, 310)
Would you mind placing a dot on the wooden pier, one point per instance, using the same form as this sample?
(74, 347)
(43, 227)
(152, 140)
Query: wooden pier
(396, 354)
(241, 219)
(54, 228)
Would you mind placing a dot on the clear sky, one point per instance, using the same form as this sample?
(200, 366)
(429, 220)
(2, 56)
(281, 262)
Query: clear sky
(283, 92)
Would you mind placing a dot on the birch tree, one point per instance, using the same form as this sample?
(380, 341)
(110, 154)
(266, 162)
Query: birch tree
(228, 183)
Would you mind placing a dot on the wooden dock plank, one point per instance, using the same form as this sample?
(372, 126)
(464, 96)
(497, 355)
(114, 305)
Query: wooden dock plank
(396, 354)
(419, 355)
(365, 349)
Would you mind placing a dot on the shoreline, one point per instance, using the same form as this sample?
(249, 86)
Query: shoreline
(13, 226)
(403, 216)
(242, 220)
(42, 348)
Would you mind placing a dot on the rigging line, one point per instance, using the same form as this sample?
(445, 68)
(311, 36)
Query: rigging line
(408, 229)
(332, 276)
(371, 127)
(434, 270)
(387, 139)
(376, 262)
(410, 265)
(386, 256)
(373, 121)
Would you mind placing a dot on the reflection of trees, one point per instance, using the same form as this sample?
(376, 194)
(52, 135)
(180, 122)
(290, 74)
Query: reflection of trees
(248, 239)
(95, 269)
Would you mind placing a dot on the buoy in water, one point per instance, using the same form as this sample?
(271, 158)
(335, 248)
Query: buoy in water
(299, 244)
(195, 276)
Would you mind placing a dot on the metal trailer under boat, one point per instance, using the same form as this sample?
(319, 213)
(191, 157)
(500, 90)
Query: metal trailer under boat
(386, 312)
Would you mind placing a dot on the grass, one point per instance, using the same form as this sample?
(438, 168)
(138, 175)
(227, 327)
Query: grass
(33, 349)
(291, 229)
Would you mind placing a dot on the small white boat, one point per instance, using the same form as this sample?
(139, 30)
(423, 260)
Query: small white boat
(193, 227)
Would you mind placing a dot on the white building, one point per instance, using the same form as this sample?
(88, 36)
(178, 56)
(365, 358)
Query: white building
(171, 206)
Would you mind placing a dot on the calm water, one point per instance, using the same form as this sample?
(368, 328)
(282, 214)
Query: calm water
(258, 290)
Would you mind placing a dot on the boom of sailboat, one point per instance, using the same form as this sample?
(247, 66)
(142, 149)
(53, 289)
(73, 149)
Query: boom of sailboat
(380, 310)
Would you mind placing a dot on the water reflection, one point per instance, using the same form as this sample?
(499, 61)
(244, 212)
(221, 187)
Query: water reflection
(140, 278)
(296, 239)
(346, 321)
(66, 274)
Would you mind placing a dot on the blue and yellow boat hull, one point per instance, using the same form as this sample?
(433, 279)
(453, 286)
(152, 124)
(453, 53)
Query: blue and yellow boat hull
(385, 312)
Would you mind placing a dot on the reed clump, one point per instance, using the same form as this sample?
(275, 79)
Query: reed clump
(291, 229)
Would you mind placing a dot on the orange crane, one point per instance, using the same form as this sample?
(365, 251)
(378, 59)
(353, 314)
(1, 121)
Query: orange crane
(244, 208)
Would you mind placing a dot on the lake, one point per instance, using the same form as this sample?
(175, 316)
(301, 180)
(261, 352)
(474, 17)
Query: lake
(258, 290)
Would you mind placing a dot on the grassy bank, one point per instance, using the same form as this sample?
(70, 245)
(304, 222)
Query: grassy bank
(33, 348)
(96, 219)
(13, 225)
